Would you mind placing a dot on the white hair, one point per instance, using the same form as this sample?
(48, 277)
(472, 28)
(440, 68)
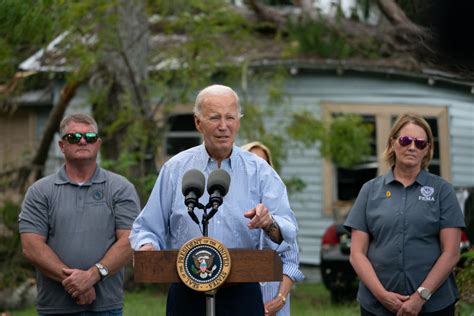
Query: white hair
(214, 90)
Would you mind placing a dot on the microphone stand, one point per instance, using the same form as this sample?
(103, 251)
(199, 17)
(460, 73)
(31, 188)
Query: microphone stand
(207, 216)
(210, 295)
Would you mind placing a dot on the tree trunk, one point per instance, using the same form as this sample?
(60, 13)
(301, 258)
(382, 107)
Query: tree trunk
(123, 72)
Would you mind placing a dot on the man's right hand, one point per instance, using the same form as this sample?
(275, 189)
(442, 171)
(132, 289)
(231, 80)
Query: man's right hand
(86, 298)
(147, 247)
(80, 281)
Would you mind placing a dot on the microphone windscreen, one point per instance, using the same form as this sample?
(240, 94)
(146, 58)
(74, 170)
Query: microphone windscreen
(218, 180)
(193, 180)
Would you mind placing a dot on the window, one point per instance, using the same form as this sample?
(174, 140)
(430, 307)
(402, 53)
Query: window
(344, 184)
(350, 180)
(181, 135)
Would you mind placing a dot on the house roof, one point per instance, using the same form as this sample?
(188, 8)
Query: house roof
(43, 97)
(261, 52)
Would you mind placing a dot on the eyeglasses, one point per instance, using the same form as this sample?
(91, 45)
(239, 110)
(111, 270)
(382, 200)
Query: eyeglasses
(407, 140)
(75, 138)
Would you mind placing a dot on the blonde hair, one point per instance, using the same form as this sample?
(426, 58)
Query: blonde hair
(404, 119)
(265, 149)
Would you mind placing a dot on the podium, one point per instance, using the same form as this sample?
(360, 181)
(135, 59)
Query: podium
(248, 265)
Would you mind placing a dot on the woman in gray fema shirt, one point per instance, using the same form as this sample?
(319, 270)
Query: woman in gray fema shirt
(406, 228)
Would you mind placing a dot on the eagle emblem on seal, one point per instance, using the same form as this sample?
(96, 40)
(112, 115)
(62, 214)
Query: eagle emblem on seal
(203, 264)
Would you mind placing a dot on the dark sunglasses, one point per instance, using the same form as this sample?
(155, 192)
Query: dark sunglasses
(75, 138)
(407, 140)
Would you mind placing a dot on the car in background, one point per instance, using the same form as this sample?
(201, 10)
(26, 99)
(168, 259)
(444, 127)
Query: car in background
(337, 273)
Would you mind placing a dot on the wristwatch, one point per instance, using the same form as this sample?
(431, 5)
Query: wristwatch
(103, 271)
(424, 293)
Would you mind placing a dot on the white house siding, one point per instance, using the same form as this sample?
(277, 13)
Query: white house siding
(307, 91)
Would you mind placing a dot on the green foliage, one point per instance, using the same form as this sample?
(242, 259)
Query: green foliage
(316, 36)
(208, 29)
(465, 277)
(252, 128)
(211, 29)
(294, 185)
(14, 269)
(251, 124)
(346, 141)
(276, 88)
(124, 165)
(24, 27)
(306, 128)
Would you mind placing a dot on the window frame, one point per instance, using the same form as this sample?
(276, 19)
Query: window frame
(162, 119)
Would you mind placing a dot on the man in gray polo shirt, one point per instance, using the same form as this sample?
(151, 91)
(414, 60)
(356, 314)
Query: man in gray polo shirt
(75, 225)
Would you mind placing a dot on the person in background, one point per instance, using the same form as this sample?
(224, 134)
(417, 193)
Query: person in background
(276, 295)
(256, 200)
(406, 228)
(74, 228)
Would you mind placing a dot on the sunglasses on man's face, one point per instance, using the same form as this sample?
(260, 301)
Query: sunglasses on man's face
(407, 140)
(75, 138)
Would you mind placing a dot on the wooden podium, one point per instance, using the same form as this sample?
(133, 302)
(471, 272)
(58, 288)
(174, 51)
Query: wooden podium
(248, 265)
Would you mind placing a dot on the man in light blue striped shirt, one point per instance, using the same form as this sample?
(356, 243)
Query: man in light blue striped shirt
(257, 200)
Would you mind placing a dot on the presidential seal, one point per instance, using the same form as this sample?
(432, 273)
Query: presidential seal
(203, 264)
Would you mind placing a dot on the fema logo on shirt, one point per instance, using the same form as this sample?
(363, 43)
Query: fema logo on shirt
(426, 194)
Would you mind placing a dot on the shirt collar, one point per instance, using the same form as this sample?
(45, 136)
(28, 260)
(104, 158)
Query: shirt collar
(207, 162)
(421, 178)
(62, 178)
(389, 177)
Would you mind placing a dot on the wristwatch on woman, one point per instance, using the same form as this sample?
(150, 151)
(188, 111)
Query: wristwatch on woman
(424, 293)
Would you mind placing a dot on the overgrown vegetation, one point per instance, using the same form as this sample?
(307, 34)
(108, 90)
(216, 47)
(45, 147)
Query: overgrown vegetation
(345, 140)
(465, 277)
(320, 38)
(14, 269)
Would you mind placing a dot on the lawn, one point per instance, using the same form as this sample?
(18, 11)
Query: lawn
(308, 299)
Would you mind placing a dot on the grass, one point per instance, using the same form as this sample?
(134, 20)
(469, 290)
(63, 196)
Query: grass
(308, 299)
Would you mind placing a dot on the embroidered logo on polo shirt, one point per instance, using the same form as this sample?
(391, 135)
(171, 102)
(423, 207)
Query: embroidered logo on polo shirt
(426, 194)
(98, 195)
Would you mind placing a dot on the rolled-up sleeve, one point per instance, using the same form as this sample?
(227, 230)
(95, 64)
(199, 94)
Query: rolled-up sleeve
(152, 224)
(275, 198)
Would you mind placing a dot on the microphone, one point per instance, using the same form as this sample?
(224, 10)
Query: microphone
(192, 188)
(217, 187)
